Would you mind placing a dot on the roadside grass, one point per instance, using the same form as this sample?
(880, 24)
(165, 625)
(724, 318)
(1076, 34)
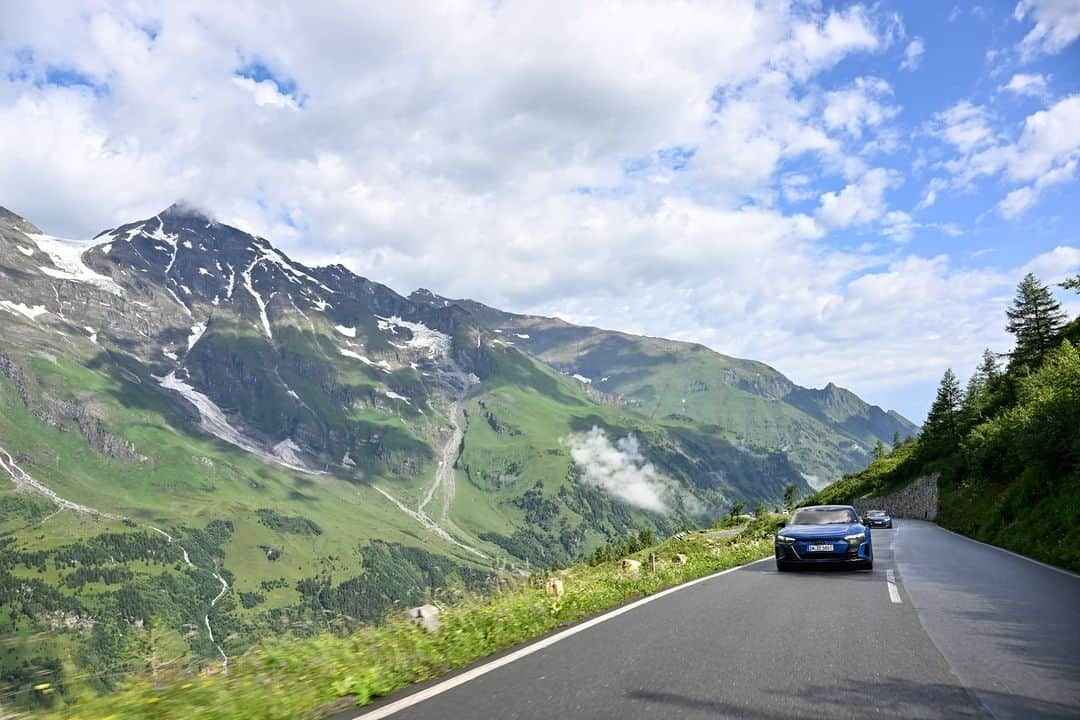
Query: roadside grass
(293, 677)
(882, 476)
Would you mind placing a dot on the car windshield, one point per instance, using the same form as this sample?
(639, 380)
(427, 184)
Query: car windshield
(875, 513)
(824, 516)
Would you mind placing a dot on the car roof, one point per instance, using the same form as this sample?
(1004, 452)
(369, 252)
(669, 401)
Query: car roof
(826, 507)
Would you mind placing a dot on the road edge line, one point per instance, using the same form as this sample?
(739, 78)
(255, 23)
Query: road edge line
(1048, 566)
(469, 675)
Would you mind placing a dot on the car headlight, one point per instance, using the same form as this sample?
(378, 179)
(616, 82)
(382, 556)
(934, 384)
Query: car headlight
(785, 539)
(856, 539)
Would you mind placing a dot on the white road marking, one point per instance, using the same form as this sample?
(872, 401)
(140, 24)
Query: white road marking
(451, 683)
(890, 581)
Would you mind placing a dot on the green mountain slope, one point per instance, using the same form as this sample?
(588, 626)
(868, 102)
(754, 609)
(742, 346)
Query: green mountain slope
(825, 432)
(203, 442)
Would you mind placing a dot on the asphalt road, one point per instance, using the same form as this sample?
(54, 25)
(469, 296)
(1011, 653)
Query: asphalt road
(942, 628)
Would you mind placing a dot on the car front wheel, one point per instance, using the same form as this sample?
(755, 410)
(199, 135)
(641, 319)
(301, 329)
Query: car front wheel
(782, 566)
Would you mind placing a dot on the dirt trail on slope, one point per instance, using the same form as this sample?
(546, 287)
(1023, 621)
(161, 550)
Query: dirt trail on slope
(447, 480)
(26, 483)
(445, 476)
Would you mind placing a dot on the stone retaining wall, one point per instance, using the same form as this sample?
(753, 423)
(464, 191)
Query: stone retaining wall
(917, 500)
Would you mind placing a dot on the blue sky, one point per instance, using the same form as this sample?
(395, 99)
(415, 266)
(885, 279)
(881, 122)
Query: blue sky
(848, 192)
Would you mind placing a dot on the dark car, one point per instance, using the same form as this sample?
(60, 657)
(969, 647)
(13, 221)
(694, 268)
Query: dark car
(824, 534)
(878, 519)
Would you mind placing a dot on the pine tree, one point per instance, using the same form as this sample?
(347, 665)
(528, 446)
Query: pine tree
(879, 449)
(1035, 318)
(896, 441)
(940, 433)
(980, 386)
(1072, 283)
(789, 498)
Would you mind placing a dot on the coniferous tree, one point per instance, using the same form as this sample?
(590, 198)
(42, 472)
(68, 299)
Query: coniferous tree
(896, 441)
(979, 387)
(789, 498)
(941, 433)
(879, 449)
(1035, 318)
(1072, 283)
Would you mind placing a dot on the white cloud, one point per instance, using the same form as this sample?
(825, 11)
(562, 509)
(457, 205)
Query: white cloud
(1044, 154)
(1055, 265)
(930, 194)
(816, 44)
(900, 226)
(434, 135)
(619, 469)
(964, 125)
(1057, 25)
(265, 92)
(1051, 138)
(913, 55)
(1031, 84)
(1018, 201)
(859, 106)
(859, 202)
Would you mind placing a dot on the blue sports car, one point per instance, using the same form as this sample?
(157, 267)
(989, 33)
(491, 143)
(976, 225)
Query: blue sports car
(824, 534)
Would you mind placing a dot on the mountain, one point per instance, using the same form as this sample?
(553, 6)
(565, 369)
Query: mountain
(824, 432)
(208, 441)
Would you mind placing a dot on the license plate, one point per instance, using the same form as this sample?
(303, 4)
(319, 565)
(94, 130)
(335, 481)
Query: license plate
(819, 548)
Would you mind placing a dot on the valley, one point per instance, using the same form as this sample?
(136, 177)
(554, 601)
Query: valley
(272, 447)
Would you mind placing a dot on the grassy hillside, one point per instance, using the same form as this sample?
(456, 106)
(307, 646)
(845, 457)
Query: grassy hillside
(519, 488)
(111, 594)
(311, 677)
(103, 586)
(1008, 453)
(825, 432)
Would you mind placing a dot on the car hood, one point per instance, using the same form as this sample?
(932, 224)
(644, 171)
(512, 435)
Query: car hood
(822, 531)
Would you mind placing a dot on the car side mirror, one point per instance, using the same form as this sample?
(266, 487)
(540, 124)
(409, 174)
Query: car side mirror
(781, 525)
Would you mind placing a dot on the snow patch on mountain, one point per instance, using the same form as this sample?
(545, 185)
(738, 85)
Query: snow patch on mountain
(28, 252)
(294, 274)
(246, 275)
(31, 313)
(197, 331)
(213, 421)
(66, 256)
(394, 396)
(437, 344)
(346, 331)
(382, 364)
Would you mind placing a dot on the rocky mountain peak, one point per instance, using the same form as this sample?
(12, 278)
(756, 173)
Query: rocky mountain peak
(183, 209)
(17, 221)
